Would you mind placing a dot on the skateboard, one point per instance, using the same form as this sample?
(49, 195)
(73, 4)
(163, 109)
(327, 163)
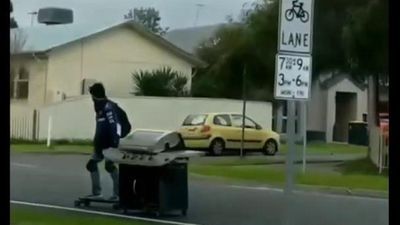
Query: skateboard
(86, 202)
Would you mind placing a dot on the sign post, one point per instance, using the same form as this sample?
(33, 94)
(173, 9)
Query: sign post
(293, 73)
(243, 112)
(304, 136)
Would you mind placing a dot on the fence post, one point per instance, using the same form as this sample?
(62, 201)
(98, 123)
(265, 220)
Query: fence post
(49, 127)
(34, 124)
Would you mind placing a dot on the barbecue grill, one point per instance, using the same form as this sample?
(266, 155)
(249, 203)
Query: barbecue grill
(152, 171)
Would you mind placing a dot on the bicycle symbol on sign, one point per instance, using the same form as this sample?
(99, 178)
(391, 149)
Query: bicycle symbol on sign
(299, 13)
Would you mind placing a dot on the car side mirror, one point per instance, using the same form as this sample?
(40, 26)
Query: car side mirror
(258, 127)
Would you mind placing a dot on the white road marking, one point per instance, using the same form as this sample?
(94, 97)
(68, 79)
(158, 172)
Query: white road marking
(24, 165)
(99, 213)
(257, 188)
(309, 193)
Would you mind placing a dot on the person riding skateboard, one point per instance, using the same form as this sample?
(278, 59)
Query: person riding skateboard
(107, 135)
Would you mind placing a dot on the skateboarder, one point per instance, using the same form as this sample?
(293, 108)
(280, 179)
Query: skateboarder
(107, 135)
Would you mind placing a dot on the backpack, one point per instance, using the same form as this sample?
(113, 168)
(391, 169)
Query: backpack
(124, 121)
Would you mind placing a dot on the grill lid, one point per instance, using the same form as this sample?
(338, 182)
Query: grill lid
(151, 142)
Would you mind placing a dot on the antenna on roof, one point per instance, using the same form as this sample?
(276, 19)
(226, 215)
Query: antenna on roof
(33, 14)
(199, 6)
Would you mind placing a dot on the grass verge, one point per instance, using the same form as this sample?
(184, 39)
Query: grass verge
(58, 149)
(28, 215)
(329, 149)
(357, 174)
(83, 146)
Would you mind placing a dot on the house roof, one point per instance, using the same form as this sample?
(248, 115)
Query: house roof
(189, 38)
(336, 78)
(42, 39)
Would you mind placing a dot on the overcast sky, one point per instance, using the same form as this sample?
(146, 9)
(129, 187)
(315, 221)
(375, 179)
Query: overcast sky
(174, 13)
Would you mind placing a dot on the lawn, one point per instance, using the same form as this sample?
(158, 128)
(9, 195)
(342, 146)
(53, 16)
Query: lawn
(57, 149)
(62, 148)
(357, 174)
(330, 149)
(28, 215)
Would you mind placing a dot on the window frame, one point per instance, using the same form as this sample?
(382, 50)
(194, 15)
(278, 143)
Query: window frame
(229, 122)
(17, 81)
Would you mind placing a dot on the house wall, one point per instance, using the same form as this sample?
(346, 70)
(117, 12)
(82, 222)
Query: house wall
(110, 57)
(316, 109)
(344, 86)
(75, 119)
(37, 68)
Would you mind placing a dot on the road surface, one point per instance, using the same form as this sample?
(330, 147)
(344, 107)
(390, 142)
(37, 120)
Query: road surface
(59, 179)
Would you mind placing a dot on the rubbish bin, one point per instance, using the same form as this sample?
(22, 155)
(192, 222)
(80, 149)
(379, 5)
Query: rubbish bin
(358, 133)
(152, 171)
(160, 189)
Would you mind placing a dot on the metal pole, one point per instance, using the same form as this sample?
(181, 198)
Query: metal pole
(244, 110)
(49, 128)
(304, 136)
(291, 146)
(33, 14)
(288, 192)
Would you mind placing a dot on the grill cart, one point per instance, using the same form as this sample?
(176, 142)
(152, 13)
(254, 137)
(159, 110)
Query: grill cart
(152, 171)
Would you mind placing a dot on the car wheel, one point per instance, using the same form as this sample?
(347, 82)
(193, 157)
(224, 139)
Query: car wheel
(270, 147)
(217, 146)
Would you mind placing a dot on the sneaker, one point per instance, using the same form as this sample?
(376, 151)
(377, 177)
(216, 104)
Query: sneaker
(113, 198)
(99, 196)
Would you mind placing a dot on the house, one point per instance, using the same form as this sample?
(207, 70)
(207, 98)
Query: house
(336, 99)
(190, 38)
(52, 63)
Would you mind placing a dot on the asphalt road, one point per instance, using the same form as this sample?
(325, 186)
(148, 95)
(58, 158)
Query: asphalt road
(60, 179)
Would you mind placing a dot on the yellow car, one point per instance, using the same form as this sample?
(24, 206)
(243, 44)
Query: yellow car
(219, 131)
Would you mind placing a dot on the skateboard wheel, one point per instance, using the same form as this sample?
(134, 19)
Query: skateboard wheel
(116, 206)
(86, 203)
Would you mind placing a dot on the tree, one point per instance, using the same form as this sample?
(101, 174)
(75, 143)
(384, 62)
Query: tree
(366, 39)
(13, 22)
(160, 82)
(149, 18)
(18, 40)
(253, 43)
(250, 44)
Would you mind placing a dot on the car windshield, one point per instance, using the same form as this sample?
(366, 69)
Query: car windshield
(195, 120)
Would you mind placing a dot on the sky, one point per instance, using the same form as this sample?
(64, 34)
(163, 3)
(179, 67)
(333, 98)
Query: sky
(174, 13)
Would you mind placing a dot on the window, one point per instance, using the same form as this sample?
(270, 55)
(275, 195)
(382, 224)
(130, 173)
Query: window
(237, 122)
(195, 120)
(19, 86)
(222, 120)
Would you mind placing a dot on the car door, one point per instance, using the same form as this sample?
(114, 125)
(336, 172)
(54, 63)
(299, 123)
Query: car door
(222, 127)
(236, 136)
(252, 136)
(256, 134)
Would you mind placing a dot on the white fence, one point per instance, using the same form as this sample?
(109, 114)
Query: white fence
(75, 119)
(379, 148)
(23, 122)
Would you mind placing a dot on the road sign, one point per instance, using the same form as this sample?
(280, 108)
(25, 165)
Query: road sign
(295, 26)
(292, 77)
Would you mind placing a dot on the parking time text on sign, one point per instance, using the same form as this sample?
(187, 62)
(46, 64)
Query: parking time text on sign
(293, 77)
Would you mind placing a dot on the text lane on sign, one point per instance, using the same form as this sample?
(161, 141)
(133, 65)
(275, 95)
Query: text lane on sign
(293, 77)
(295, 27)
